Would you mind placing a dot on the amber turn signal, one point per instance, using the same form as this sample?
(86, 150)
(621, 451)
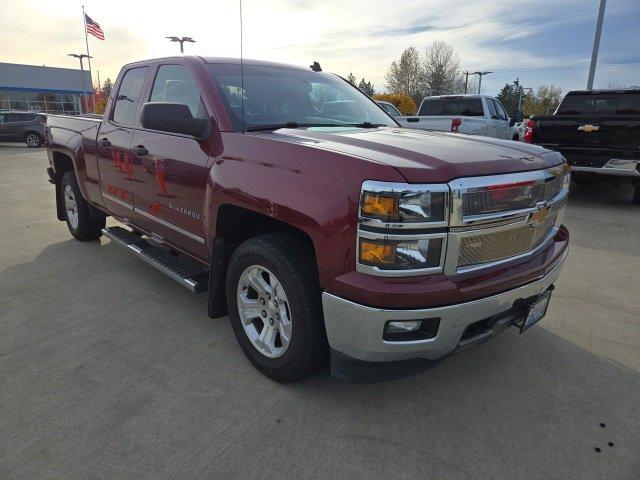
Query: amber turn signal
(379, 206)
(375, 253)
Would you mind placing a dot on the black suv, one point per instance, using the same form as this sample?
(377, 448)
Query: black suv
(22, 127)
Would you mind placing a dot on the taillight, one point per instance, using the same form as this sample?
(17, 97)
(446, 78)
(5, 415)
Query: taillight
(455, 124)
(528, 134)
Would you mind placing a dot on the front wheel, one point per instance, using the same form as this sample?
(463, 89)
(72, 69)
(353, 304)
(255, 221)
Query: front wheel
(33, 140)
(275, 307)
(80, 220)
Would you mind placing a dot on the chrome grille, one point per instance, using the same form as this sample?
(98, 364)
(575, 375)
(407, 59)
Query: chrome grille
(490, 247)
(491, 200)
(495, 246)
(552, 187)
(543, 229)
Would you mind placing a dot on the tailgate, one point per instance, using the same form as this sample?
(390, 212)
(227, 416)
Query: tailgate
(608, 132)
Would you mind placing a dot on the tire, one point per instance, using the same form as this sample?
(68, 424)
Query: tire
(285, 264)
(33, 139)
(82, 224)
(636, 194)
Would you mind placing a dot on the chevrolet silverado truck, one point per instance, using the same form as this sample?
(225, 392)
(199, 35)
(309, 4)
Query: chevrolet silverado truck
(325, 234)
(598, 131)
(470, 114)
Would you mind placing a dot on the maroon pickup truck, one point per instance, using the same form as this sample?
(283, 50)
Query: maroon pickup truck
(321, 227)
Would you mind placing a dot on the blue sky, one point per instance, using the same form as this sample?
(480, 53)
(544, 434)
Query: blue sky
(539, 41)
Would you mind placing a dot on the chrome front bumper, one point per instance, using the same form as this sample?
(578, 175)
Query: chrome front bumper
(617, 167)
(356, 330)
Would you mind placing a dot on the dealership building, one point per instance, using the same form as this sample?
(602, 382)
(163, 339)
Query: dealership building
(42, 89)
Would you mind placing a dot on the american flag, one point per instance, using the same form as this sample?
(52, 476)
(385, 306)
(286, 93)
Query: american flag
(93, 27)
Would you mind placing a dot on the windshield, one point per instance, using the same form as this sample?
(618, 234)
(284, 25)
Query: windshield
(276, 97)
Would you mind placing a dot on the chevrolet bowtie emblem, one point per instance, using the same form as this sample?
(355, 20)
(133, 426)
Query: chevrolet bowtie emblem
(538, 217)
(588, 128)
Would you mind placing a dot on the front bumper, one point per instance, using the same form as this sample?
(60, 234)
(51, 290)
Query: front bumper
(355, 332)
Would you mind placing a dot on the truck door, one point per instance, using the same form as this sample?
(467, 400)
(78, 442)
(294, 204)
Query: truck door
(117, 179)
(171, 170)
(493, 123)
(504, 129)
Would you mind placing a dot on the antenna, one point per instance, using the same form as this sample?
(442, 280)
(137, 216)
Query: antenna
(241, 72)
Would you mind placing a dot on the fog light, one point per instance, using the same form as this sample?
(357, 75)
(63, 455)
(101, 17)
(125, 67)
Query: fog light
(402, 331)
(403, 327)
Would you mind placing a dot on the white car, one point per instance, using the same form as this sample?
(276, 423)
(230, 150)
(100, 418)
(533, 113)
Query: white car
(471, 114)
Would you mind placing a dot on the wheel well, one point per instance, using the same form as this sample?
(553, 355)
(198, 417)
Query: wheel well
(61, 163)
(32, 131)
(236, 224)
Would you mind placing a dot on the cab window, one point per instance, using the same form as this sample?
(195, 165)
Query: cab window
(175, 84)
(126, 104)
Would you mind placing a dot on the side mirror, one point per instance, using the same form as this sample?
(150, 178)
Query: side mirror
(512, 122)
(518, 117)
(173, 118)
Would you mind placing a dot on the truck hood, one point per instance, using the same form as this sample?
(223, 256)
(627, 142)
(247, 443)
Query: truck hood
(425, 156)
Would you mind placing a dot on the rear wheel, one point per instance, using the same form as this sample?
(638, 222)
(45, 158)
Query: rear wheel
(33, 139)
(275, 308)
(80, 219)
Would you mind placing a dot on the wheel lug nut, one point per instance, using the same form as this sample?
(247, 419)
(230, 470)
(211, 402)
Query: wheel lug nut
(275, 304)
(262, 301)
(263, 313)
(277, 316)
(271, 322)
(268, 296)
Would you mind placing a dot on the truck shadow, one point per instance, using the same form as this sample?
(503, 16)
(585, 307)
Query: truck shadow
(87, 325)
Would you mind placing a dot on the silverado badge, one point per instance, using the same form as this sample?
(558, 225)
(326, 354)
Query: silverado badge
(588, 128)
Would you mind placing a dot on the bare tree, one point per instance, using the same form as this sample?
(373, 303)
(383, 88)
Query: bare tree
(442, 70)
(406, 75)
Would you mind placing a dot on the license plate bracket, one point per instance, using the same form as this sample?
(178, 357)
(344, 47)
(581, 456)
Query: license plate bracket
(535, 311)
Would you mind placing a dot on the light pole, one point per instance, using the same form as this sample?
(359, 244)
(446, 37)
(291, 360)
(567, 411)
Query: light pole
(480, 74)
(181, 41)
(596, 45)
(84, 88)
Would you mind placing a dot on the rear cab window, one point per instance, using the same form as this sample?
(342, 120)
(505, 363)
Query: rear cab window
(128, 98)
(601, 103)
(466, 107)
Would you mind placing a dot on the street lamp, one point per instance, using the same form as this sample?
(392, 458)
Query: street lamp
(84, 88)
(181, 41)
(480, 74)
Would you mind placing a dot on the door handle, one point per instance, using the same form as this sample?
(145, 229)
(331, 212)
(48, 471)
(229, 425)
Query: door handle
(104, 142)
(140, 150)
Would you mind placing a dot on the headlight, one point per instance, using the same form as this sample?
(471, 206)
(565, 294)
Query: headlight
(403, 203)
(395, 253)
(402, 228)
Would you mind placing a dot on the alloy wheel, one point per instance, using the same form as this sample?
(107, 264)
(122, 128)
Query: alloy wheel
(264, 311)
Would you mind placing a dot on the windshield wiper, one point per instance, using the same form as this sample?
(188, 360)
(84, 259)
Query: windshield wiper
(365, 125)
(258, 128)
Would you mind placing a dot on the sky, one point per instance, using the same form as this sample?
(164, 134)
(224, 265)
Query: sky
(539, 41)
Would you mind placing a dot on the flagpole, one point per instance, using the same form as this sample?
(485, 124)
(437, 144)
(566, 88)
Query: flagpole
(86, 39)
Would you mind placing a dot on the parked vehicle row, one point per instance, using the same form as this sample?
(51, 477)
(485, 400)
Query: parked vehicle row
(18, 126)
(471, 114)
(325, 231)
(598, 131)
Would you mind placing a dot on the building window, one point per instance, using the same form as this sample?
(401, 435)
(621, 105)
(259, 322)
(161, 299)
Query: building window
(47, 102)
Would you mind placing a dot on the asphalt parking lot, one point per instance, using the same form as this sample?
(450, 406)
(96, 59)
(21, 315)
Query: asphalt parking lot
(108, 370)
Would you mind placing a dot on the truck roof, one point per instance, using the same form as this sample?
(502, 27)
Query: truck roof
(604, 91)
(228, 60)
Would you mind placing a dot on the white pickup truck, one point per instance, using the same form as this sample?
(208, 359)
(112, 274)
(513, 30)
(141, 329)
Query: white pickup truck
(472, 114)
